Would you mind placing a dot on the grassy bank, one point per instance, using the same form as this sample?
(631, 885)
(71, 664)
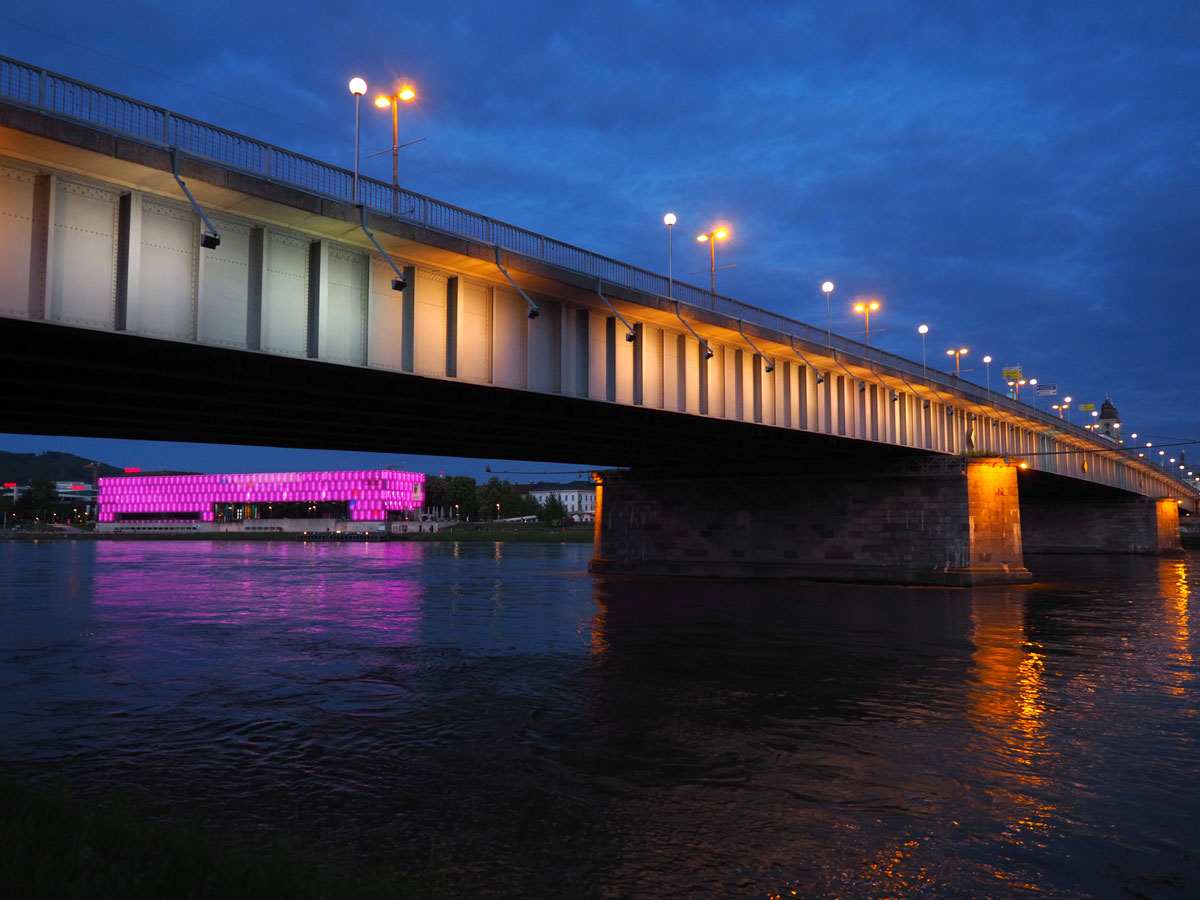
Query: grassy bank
(575, 534)
(55, 846)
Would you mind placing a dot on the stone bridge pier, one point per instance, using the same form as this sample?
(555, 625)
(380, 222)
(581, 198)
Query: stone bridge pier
(1121, 525)
(947, 521)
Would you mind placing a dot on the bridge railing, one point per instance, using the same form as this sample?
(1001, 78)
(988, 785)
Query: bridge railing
(67, 98)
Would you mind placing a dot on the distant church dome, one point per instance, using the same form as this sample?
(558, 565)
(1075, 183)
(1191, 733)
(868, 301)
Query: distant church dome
(1109, 422)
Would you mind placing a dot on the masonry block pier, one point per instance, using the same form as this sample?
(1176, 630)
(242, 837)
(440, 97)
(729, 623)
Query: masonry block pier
(1118, 525)
(934, 521)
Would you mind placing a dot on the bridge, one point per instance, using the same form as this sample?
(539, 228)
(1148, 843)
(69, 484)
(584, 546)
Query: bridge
(161, 278)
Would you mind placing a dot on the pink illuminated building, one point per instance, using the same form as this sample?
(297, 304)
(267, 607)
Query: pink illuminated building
(232, 502)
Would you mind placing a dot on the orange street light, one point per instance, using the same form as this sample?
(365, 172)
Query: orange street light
(711, 239)
(866, 309)
(403, 93)
(956, 354)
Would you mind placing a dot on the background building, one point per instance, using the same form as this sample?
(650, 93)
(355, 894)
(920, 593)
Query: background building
(266, 501)
(576, 496)
(1109, 422)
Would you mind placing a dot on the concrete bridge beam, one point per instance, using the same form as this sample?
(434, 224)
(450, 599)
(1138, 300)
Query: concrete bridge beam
(957, 525)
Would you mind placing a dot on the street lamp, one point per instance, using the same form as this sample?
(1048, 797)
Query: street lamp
(711, 239)
(669, 220)
(987, 361)
(923, 330)
(1066, 405)
(1016, 388)
(956, 354)
(358, 87)
(866, 309)
(383, 101)
(827, 287)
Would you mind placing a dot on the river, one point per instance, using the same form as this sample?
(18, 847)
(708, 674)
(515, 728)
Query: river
(544, 732)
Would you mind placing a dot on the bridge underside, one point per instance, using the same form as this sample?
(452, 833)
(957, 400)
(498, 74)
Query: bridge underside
(63, 380)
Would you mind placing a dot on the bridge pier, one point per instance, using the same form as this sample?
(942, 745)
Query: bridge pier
(1120, 525)
(957, 523)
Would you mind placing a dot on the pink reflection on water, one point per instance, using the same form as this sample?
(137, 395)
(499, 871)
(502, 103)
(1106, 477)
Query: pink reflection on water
(373, 588)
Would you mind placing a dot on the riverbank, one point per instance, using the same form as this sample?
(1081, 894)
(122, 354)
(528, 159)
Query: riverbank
(58, 846)
(485, 532)
(577, 534)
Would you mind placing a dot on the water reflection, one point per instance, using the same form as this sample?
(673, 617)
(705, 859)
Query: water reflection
(1007, 705)
(544, 728)
(1176, 591)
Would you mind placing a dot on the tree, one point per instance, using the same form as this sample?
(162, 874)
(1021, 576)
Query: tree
(435, 495)
(36, 502)
(460, 496)
(503, 493)
(553, 511)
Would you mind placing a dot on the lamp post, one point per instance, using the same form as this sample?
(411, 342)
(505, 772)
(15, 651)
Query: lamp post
(711, 239)
(987, 361)
(383, 101)
(923, 330)
(827, 287)
(1066, 405)
(956, 354)
(866, 309)
(358, 87)
(1016, 388)
(669, 220)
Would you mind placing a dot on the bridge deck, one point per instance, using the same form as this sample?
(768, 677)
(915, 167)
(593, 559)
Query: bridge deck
(116, 322)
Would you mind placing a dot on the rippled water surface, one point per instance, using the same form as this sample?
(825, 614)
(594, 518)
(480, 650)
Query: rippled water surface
(544, 732)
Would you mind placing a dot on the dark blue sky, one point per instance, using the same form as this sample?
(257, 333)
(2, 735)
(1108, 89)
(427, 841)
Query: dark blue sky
(1023, 177)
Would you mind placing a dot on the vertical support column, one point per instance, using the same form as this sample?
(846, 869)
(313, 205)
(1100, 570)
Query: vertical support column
(610, 359)
(738, 387)
(41, 245)
(254, 289)
(681, 346)
(129, 257)
(454, 323)
(582, 349)
(702, 371)
(318, 269)
(785, 398)
(409, 320)
(639, 363)
(806, 395)
(757, 374)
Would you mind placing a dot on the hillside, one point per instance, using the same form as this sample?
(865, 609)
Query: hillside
(52, 465)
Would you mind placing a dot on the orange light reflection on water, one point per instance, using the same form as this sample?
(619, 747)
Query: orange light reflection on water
(1177, 592)
(1007, 704)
